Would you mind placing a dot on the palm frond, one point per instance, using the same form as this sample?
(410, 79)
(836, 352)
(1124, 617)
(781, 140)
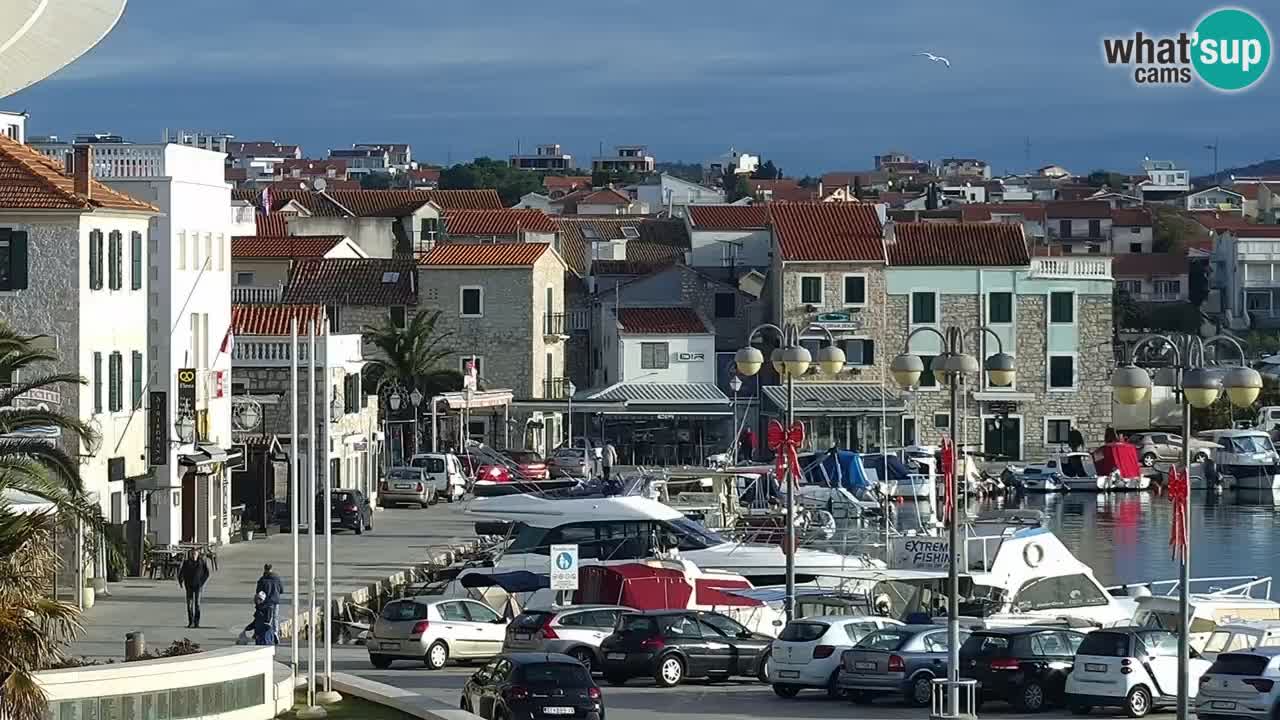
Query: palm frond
(22, 387)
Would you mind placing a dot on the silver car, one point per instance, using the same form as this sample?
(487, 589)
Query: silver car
(407, 486)
(1167, 447)
(1242, 684)
(433, 631)
(575, 630)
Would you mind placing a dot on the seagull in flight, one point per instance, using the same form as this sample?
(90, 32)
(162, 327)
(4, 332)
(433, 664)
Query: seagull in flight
(935, 58)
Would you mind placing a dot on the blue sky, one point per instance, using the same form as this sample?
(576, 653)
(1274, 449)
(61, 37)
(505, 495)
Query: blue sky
(813, 85)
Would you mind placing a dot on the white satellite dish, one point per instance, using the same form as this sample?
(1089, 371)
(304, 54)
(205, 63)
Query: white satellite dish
(319, 184)
(40, 37)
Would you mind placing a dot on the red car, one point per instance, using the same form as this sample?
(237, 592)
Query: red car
(529, 465)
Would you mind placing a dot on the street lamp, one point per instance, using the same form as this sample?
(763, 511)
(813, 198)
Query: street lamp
(735, 384)
(571, 389)
(1200, 386)
(185, 426)
(415, 397)
(951, 368)
(789, 359)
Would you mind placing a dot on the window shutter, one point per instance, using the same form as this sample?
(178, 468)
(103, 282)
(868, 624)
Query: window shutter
(18, 260)
(136, 258)
(97, 378)
(868, 352)
(137, 380)
(114, 262)
(113, 382)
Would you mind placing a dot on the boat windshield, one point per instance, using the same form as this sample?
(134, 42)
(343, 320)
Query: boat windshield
(693, 535)
(1249, 444)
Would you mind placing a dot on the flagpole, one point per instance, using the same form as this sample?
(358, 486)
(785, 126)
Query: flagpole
(329, 696)
(295, 495)
(312, 710)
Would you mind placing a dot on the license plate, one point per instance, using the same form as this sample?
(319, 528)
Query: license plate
(862, 665)
(788, 674)
(402, 486)
(1222, 705)
(523, 636)
(1094, 667)
(389, 646)
(557, 711)
(616, 656)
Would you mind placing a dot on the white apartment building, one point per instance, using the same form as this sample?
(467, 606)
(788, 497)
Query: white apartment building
(13, 125)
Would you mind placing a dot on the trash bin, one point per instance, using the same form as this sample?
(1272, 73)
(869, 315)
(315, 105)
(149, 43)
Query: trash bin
(135, 645)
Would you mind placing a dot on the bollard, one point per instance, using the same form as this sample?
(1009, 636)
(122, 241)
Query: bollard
(135, 645)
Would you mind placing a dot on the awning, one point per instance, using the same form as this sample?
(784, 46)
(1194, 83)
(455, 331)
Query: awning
(203, 455)
(479, 399)
(643, 398)
(585, 406)
(516, 581)
(836, 398)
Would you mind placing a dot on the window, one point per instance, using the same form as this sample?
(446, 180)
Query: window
(724, 625)
(858, 352)
(222, 252)
(810, 289)
(480, 613)
(471, 301)
(1062, 372)
(1095, 228)
(1132, 287)
(95, 260)
(135, 260)
(1167, 288)
(114, 263)
(474, 359)
(1000, 307)
(1095, 249)
(182, 251)
(924, 308)
(1056, 431)
(97, 382)
(334, 314)
(941, 421)
(453, 611)
(927, 380)
(1135, 248)
(1059, 593)
(244, 278)
(908, 431)
(803, 631)
(1050, 644)
(1064, 228)
(855, 289)
(397, 316)
(13, 260)
(115, 370)
(1066, 249)
(137, 380)
(653, 356)
(1062, 307)
(726, 305)
(681, 626)
(630, 232)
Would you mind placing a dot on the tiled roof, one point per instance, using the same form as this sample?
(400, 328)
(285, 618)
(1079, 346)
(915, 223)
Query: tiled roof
(649, 392)
(623, 267)
(1131, 216)
(272, 224)
(353, 281)
(376, 203)
(728, 217)
(838, 232)
(661, 241)
(481, 255)
(1075, 193)
(566, 183)
(958, 244)
(833, 397)
(273, 319)
(660, 320)
(1214, 220)
(1077, 209)
(606, 196)
(307, 167)
(1248, 191)
(982, 212)
(30, 180)
(501, 222)
(1135, 265)
(1256, 231)
(283, 247)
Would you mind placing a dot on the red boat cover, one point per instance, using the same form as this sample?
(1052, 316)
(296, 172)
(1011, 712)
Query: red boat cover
(1117, 456)
(654, 588)
(710, 592)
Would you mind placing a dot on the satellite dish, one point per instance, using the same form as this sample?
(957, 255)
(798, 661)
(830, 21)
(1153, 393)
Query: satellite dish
(40, 37)
(319, 184)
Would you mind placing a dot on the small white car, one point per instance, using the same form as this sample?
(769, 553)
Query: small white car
(444, 472)
(1242, 684)
(433, 631)
(1134, 669)
(807, 652)
(574, 630)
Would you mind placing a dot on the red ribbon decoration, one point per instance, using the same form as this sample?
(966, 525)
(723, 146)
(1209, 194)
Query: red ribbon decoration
(784, 443)
(948, 470)
(1178, 487)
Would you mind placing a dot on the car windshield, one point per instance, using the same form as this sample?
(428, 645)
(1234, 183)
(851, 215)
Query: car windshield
(693, 535)
(401, 610)
(526, 457)
(553, 674)
(404, 474)
(1250, 444)
(803, 631)
(884, 640)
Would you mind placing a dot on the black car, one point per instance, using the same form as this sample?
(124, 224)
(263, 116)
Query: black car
(670, 645)
(350, 510)
(525, 686)
(1026, 666)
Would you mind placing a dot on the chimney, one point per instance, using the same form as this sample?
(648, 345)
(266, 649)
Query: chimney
(82, 170)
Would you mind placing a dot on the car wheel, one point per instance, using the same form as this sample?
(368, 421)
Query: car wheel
(762, 672)
(425, 505)
(669, 672)
(584, 656)
(1031, 699)
(785, 691)
(437, 655)
(1078, 709)
(1138, 702)
(615, 679)
(834, 691)
(382, 662)
(1149, 459)
(921, 691)
(359, 527)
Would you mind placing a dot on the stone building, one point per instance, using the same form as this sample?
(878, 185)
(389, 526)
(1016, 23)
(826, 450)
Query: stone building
(357, 293)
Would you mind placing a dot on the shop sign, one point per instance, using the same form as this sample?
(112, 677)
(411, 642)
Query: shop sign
(839, 321)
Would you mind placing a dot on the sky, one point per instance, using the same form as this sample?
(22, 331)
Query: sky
(812, 85)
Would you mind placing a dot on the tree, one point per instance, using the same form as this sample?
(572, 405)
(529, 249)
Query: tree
(1172, 231)
(511, 183)
(808, 181)
(767, 171)
(1106, 178)
(735, 186)
(34, 627)
(600, 178)
(375, 181)
(410, 357)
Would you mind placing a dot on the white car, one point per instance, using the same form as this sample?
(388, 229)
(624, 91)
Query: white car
(807, 652)
(1134, 669)
(433, 631)
(1243, 684)
(575, 630)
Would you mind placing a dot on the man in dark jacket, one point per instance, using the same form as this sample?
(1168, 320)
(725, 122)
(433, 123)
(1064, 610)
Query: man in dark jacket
(271, 588)
(192, 576)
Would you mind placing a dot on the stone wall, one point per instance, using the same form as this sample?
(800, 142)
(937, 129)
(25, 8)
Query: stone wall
(870, 318)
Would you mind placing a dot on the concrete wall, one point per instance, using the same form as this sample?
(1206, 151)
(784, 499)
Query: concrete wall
(372, 234)
(691, 359)
(754, 247)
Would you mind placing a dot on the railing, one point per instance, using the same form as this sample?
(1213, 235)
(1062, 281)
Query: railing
(1071, 268)
(555, 388)
(1153, 297)
(965, 699)
(257, 294)
(555, 324)
(127, 161)
(580, 320)
(274, 351)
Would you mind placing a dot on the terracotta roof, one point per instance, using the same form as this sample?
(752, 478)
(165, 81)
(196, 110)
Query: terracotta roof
(660, 321)
(1248, 191)
(982, 212)
(501, 222)
(480, 255)
(661, 241)
(283, 247)
(1135, 265)
(1131, 216)
(307, 167)
(566, 183)
(623, 267)
(1075, 193)
(728, 217)
(424, 173)
(376, 203)
(1214, 220)
(353, 281)
(234, 174)
(838, 232)
(1077, 209)
(846, 178)
(897, 199)
(1256, 231)
(272, 224)
(606, 196)
(30, 180)
(273, 319)
(772, 185)
(958, 244)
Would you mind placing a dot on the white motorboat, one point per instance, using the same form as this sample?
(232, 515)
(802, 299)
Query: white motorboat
(1213, 604)
(1066, 472)
(1247, 457)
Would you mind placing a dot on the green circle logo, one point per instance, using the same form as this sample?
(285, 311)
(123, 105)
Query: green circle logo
(1232, 49)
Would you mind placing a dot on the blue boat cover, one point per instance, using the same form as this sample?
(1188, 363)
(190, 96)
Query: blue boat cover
(516, 581)
(842, 469)
(896, 470)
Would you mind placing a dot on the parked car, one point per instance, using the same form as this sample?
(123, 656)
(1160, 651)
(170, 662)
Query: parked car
(576, 631)
(899, 661)
(1243, 635)
(445, 472)
(1025, 666)
(433, 631)
(1167, 447)
(533, 685)
(1132, 668)
(1243, 684)
(350, 509)
(529, 464)
(406, 486)
(807, 652)
(671, 645)
(570, 461)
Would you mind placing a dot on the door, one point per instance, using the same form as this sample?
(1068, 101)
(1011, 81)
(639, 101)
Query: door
(1002, 436)
(744, 646)
(722, 655)
(488, 626)
(1159, 652)
(685, 633)
(1052, 659)
(590, 627)
(458, 630)
(189, 507)
(499, 676)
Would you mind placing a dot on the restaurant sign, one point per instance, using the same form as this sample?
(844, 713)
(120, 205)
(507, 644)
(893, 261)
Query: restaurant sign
(839, 321)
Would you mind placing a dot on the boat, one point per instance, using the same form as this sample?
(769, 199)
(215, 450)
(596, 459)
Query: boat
(910, 477)
(1213, 605)
(1118, 461)
(1247, 457)
(1065, 472)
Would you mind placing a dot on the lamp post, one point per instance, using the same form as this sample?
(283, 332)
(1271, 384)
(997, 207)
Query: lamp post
(790, 359)
(952, 367)
(735, 384)
(415, 398)
(393, 396)
(571, 389)
(1199, 386)
(185, 427)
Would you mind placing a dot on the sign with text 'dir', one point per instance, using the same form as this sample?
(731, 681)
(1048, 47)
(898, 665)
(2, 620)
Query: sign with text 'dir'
(564, 567)
(915, 553)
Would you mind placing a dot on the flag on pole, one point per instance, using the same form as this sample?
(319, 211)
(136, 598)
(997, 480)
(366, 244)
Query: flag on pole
(228, 342)
(266, 200)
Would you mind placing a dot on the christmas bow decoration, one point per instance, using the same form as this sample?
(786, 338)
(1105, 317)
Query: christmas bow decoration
(948, 470)
(1178, 487)
(784, 443)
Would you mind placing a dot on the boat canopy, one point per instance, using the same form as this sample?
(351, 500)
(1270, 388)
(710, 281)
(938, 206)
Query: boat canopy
(645, 587)
(516, 581)
(839, 468)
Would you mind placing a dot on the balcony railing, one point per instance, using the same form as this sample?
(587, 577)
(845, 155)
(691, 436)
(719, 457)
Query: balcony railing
(273, 351)
(1071, 268)
(112, 162)
(555, 324)
(257, 294)
(1156, 297)
(555, 388)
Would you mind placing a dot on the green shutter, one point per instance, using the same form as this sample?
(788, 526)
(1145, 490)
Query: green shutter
(18, 260)
(95, 260)
(115, 259)
(97, 379)
(113, 380)
(137, 380)
(136, 259)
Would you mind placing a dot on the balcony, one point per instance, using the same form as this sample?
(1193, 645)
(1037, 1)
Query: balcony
(555, 327)
(555, 388)
(580, 321)
(276, 351)
(257, 294)
(1156, 297)
(1071, 268)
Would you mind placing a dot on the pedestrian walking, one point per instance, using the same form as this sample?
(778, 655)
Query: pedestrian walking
(192, 575)
(270, 587)
(608, 457)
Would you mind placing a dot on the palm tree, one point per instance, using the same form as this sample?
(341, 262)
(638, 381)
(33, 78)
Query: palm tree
(34, 627)
(410, 357)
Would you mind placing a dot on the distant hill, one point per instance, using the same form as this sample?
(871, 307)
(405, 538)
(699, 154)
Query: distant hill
(1266, 167)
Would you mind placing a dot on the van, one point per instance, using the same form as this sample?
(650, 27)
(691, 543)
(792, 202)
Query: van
(444, 472)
